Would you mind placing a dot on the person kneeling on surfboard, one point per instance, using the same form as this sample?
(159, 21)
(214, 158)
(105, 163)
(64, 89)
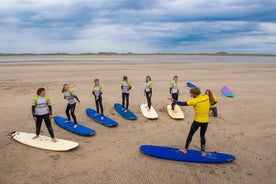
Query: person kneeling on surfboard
(174, 90)
(97, 91)
(71, 106)
(42, 110)
(213, 102)
(201, 105)
(148, 91)
(126, 87)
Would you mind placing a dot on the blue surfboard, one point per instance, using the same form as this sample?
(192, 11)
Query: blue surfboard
(80, 129)
(127, 115)
(106, 121)
(169, 153)
(191, 85)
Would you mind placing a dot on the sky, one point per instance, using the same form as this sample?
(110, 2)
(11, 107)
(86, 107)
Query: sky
(138, 26)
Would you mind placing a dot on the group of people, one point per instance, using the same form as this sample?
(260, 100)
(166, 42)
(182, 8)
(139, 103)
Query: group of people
(42, 109)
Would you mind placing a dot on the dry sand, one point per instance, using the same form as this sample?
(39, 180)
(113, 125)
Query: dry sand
(246, 126)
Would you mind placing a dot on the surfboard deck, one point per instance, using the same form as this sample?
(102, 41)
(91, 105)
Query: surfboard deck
(44, 142)
(191, 85)
(169, 153)
(227, 92)
(106, 121)
(151, 114)
(176, 113)
(127, 115)
(69, 126)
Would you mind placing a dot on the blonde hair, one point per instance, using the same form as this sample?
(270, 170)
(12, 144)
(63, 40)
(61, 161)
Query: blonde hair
(195, 91)
(211, 96)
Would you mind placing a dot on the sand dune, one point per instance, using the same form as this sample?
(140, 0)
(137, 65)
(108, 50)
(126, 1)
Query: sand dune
(246, 126)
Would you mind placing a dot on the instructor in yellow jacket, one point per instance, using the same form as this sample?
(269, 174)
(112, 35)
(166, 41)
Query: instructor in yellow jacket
(201, 106)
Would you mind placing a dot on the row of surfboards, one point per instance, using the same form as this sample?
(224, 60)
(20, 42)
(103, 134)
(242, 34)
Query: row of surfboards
(169, 153)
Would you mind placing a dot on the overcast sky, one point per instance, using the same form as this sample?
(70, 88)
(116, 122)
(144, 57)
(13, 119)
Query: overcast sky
(138, 26)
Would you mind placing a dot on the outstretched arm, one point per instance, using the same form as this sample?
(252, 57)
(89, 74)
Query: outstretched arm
(177, 102)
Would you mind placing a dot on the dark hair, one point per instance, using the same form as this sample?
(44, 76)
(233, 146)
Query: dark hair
(124, 77)
(175, 77)
(195, 91)
(96, 80)
(148, 77)
(63, 87)
(39, 90)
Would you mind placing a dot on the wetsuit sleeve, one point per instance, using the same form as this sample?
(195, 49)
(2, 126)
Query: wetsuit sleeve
(50, 109)
(94, 93)
(76, 98)
(33, 110)
(181, 103)
(170, 91)
(214, 103)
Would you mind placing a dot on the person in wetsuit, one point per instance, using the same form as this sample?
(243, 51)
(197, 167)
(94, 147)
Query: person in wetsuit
(71, 106)
(126, 87)
(97, 91)
(213, 102)
(174, 90)
(148, 91)
(201, 105)
(42, 110)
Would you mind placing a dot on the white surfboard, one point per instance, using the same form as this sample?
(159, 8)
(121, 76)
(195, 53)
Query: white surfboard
(150, 114)
(44, 142)
(176, 113)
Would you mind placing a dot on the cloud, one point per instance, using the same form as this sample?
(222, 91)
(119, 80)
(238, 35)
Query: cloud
(190, 26)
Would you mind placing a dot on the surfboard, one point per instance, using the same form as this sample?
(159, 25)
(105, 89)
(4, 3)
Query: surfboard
(191, 85)
(151, 114)
(44, 142)
(106, 121)
(169, 153)
(127, 115)
(176, 113)
(227, 92)
(69, 126)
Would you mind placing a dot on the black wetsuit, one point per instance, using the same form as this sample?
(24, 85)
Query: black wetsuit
(70, 109)
(99, 103)
(46, 118)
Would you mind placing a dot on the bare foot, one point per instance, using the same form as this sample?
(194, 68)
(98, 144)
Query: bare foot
(203, 153)
(35, 137)
(183, 150)
(54, 140)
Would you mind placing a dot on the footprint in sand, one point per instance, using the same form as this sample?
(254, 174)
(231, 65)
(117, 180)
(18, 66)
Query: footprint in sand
(55, 157)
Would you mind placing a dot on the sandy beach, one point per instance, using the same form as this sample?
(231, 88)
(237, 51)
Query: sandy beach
(246, 126)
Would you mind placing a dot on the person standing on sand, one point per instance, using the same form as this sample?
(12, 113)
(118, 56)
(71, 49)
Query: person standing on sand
(174, 90)
(148, 91)
(42, 110)
(97, 91)
(126, 87)
(213, 102)
(201, 105)
(71, 106)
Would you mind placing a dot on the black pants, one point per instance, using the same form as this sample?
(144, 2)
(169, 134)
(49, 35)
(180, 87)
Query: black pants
(99, 104)
(214, 111)
(148, 95)
(175, 97)
(125, 97)
(47, 121)
(70, 109)
(194, 127)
